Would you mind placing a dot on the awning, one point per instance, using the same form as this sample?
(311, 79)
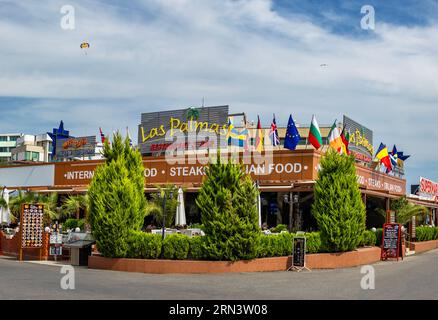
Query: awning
(429, 204)
(379, 194)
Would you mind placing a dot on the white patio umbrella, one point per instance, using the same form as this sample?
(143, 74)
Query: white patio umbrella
(5, 213)
(180, 210)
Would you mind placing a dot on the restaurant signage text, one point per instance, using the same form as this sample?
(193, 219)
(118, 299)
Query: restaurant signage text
(76, 147)
(428, 189)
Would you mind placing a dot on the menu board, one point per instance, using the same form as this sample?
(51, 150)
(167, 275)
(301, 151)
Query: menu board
(391, 241)
(31, 225)
(299, 252)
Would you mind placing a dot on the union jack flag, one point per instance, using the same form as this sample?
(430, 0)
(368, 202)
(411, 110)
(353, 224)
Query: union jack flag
(274, 133)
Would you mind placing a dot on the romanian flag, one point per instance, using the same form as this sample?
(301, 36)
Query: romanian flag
(383, 156)
(259, 136)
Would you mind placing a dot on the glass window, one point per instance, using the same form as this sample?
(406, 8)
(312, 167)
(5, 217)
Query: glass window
(3, 149)
(35, 156)
(14, 138)
(3, 138)
(27, 156)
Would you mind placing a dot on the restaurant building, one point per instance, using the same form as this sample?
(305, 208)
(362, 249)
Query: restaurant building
(285, 178)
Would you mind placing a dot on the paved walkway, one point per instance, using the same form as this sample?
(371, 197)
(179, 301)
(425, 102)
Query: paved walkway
(414, 278)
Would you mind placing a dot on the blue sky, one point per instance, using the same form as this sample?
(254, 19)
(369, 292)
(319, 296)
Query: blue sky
(258, 56)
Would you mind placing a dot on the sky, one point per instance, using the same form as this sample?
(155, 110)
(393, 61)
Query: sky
(257, 56)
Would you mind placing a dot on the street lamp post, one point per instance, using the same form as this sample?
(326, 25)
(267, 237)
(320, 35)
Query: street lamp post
(164, 218)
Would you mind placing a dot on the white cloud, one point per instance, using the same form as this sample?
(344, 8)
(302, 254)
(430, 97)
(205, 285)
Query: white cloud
(172, 53)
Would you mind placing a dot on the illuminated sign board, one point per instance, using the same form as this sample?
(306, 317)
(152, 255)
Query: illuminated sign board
(155, 125)
(361, 140)
(76, 147)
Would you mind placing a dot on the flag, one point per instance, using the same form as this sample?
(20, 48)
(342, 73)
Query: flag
(230, 127)
(383, 156)
(402, 157)
(129, 137)
(259, 136)
(393, 156)
(292, 135)
(345, 137)
(237, 137)
(102, 136)
(315, 134)
(335, 140)
(274, 133)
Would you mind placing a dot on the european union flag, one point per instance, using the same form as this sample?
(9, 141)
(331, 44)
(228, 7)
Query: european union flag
(292, 135)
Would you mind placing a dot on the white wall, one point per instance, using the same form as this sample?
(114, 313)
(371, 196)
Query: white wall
(28, 176)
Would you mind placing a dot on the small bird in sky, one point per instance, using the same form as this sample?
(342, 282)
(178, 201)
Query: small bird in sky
(323, 65)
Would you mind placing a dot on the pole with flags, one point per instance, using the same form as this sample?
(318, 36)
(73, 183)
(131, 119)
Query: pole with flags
(129, 137)
(259, 136)
(315, 134)
(274, 133)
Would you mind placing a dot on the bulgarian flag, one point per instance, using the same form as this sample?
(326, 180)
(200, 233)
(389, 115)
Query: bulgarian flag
(259, 136)
(315, 134)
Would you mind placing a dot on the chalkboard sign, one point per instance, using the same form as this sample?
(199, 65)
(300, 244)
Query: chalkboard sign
(299, 252)
(391, 241)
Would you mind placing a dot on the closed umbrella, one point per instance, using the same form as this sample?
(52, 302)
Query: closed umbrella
(180, 210)
(4, 212)
(259, 205)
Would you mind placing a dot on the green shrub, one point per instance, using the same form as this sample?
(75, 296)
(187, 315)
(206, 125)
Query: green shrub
(338, 207)
(368, 239)
(176, 246)
(70, 224)
(81, 224)
(279, 228)
(275, 245)
(426, 233)
(195, 248)
(143, 245)
(117, 203)
(264, 246)
(435, 233)
(379, 234)
(313, 242)
(73, 224)
(228, 206)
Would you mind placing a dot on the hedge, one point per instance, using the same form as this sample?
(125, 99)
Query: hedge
(313, 242)
(179, 247)
(176, 246)
(195, 248)
(426, 233)
(73, 224)
(275, 245)
(369, 238)
(143, 245)
(379, 234)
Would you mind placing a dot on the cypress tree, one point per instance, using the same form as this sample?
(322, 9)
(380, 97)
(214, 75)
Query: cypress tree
(338, 206)
(116, 197)
(227, 201)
